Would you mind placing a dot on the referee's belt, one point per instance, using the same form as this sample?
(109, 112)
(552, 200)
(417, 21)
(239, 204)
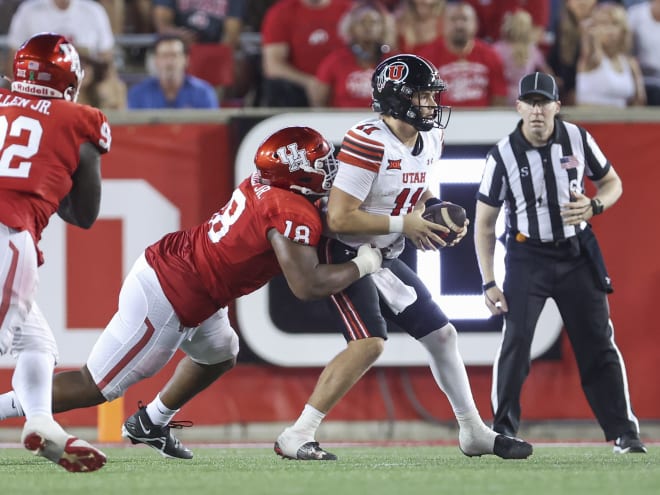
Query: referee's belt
(523, 239)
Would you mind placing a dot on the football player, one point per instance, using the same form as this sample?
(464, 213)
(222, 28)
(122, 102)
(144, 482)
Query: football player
(378, 197)
(50, 150)
(177, 292)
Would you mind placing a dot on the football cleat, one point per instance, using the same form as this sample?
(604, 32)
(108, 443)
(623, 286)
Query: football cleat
(139, 429)
(44, 437)
(629, 443)
(502, 446)
(292, 445)
(310, 451)
(512, 448)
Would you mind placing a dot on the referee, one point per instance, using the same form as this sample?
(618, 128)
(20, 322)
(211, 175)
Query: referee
(538, 173)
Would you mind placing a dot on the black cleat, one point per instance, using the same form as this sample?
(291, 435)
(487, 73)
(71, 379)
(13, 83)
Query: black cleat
(511, 448)
(629, 443)
(311, 451)
(139, 429)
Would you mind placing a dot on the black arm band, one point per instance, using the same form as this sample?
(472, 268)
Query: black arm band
(488, 285)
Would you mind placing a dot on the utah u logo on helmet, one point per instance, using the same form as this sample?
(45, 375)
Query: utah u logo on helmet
(394, 72)
(295, 158)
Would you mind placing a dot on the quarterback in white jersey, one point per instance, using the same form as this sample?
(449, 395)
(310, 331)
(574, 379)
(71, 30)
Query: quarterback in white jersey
(386, 175)
(378, 197)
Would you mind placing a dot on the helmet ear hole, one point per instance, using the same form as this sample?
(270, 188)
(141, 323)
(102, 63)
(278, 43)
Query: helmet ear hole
(69, 94)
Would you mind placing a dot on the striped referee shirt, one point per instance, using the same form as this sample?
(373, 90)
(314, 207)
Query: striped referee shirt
(533, 183)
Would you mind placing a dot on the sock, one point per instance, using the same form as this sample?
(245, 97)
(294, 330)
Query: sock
(10, 406)
(159, 413)
(448, 369)
(471, 421)
(33, 382)
(309, 421)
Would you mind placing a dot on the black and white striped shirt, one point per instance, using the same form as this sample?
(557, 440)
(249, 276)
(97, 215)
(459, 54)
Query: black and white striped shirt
(533, 183)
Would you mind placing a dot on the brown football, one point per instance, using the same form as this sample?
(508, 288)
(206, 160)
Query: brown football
(448, 214)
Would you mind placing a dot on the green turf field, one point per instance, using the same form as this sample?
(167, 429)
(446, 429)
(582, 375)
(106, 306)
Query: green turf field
(359, 471)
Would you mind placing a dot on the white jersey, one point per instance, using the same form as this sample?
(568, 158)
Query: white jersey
(386, 175)
(84, 23)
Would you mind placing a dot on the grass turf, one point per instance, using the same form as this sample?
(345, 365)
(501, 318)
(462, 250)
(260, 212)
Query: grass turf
(359, 471)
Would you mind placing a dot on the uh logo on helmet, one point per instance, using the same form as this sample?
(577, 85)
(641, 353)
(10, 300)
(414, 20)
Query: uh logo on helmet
(292, 156)
(395, 72)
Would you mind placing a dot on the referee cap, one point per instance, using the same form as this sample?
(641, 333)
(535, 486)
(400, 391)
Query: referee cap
(538, 83)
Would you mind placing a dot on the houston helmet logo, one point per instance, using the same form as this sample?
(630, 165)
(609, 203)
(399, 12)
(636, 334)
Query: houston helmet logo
(293, 157)
(395, 72)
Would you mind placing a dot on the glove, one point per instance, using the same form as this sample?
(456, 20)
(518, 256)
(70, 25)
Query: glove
(368, 259)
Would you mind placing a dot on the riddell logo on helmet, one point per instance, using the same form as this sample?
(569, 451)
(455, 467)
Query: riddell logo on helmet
(395, 72)
(35, 89)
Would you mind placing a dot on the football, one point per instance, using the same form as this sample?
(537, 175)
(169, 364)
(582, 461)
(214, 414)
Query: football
(448, 214)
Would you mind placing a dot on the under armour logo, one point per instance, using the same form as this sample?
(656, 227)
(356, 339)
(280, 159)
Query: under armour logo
(292, 156)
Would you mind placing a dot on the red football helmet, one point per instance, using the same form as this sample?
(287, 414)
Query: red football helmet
(297, 158)
(47, 65)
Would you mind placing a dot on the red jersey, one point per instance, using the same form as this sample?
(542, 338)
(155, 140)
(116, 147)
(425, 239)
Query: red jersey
(472, 79)
(310, 33)
(350, 84)
(204, 268)
(491, 14)
(40, 143)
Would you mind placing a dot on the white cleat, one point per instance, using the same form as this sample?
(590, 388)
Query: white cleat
(44, 437)
(292, 445)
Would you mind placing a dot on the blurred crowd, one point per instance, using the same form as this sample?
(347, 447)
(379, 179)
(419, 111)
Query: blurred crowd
(141, 54)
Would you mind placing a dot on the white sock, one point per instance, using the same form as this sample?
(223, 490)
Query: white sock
(10, 406)
(471, 421)
(159, 413)
(33, 382)
(309, 421)
(448, 369)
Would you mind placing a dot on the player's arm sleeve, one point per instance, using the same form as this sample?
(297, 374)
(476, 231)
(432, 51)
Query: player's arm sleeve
(354, 180)
(81, 206)
(360, 159)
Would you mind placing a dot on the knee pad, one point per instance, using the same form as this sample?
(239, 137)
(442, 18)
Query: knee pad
(216, 350)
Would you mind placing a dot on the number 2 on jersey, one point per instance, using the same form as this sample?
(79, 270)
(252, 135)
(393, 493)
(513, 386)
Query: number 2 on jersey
(20, 124)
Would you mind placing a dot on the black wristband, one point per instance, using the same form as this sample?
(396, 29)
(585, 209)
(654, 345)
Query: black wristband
(488, 285)
(597, 206)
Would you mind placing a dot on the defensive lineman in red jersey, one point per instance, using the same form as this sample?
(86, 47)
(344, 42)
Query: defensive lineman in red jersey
(50, 149)
(176, 294)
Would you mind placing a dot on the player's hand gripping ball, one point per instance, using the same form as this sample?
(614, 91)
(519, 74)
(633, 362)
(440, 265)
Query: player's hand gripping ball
(448, 214)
